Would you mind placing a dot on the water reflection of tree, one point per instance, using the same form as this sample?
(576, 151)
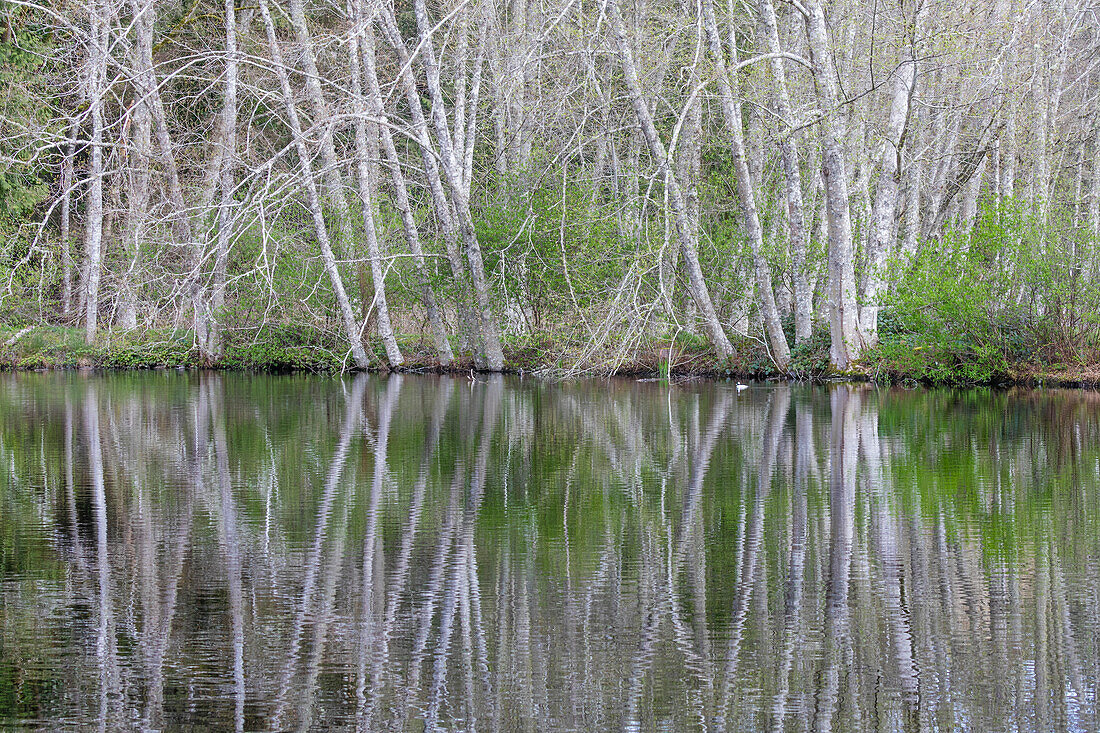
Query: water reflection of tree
(517, 556)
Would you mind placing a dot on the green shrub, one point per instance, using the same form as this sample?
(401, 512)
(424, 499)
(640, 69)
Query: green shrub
(969, 307)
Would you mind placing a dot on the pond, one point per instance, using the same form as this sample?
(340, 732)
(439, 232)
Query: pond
(417, 552)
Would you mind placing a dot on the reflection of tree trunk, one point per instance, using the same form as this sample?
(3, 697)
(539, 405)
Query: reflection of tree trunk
(227, 530)
(313, 562)
(105, 638)
(434, 589)
(844, 440)
(753, 544)
(70, 488)
(463, 542)
(886, 535)
(1067, 640)
(372, 547)
(1041, 662)
(690, 548)
(797, 565)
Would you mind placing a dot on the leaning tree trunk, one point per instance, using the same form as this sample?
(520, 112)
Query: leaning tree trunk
(444, 212)
(334, 184)
(792, 179)
(843, 315)
(746, 192)
(366, 153)
(686, 229)
(490, 333)
(313, 198)
(402, 203)
(882, 230)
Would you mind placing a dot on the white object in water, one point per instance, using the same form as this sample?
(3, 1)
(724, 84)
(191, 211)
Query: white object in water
(741, 387)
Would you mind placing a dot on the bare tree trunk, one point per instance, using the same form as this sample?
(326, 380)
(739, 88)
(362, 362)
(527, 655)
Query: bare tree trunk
(843, 316)
(351, 328)
(746, 193)
(140, 169)
(792, 178)
(470, 121)
(1008, 154)
(913, 210)
(1040, 100)
(404, 207)
(490, 334)
(1094, 193)
(686, 229)
(882, 229)
(93, 229)
(442, 206)
(366, 148)
(968, 208)
(335, 186)
(227, 184)
(180, 216)
(66, 214)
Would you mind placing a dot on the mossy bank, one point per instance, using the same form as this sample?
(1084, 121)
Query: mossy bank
(898, 358)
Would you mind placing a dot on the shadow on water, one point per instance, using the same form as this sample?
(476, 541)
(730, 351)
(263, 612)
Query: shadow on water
(411, 553)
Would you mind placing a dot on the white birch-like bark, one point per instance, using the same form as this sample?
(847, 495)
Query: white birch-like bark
(1040, 100)
(140, 168)
(913, 210)
(1094, 194)
(968, 207)
(686, 229)
(792, 178)
(227, 185)
(334, 185)
(492, 352)
(1008, 147)
(883, 225)
(366, 149)
(846, 344)
(445, 215)
(729, 93)
(67, 186)
(93, 223)
(351, 328)
(469, 121)
(402, 203)
(180, 216)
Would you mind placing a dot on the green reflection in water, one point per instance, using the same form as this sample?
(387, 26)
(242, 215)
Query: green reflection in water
(409, 553)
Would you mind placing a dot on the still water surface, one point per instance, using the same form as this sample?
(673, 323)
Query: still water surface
(411, 553)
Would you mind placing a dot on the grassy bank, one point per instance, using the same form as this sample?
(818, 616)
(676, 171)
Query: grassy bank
(900, 357)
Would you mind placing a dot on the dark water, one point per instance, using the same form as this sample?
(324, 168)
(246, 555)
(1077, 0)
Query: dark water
(410, 553)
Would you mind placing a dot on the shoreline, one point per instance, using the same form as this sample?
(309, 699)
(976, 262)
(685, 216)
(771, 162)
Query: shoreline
(48, 348)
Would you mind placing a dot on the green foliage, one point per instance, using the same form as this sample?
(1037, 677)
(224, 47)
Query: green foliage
(970, 307)
(555, 246)
(283, 348)
(22, 177)
(150, 350)
(810, 358)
